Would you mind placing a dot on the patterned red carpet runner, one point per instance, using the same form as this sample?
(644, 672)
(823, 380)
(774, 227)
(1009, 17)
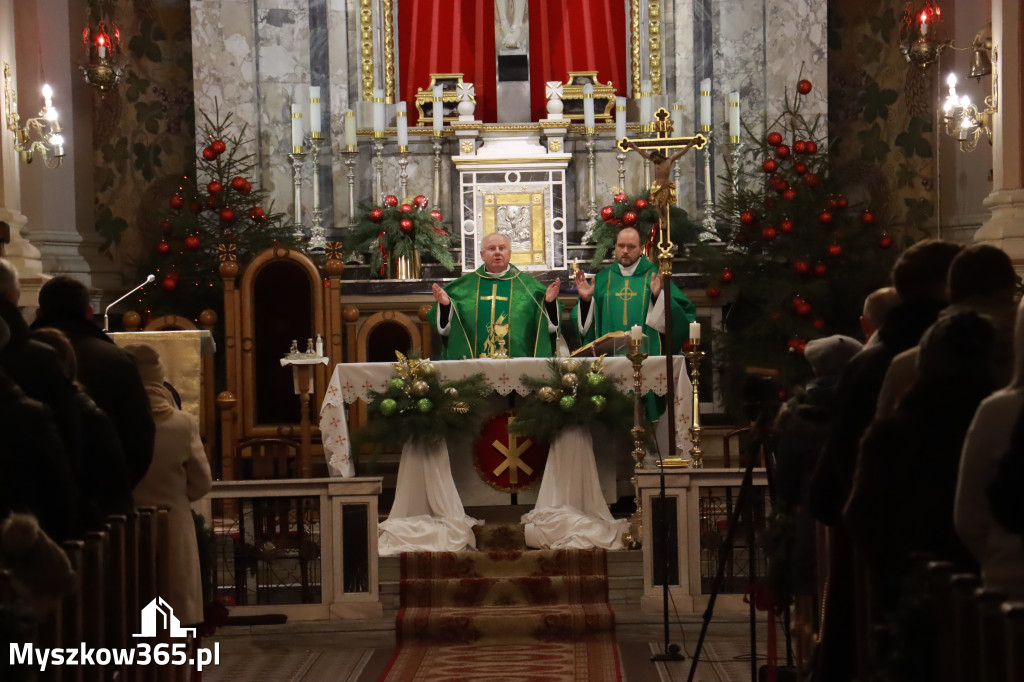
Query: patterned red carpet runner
(505, 615)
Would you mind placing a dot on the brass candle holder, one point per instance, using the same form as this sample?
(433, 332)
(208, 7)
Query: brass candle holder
(694, 356)
(633, 538)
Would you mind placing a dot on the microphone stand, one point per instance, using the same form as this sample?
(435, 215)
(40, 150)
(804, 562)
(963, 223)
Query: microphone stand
(106, 312)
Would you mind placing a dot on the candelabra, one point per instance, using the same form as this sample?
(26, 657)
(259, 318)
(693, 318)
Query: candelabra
(591, 176)
(317, 239)
(633, 538)
(40, 134)
(378, 166)
(350, 154)
(694, 356)
(437, 168)
(403, 163)
(298, 158)
(708, 223)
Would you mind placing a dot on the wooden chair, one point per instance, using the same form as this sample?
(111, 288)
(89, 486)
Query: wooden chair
(265, 458)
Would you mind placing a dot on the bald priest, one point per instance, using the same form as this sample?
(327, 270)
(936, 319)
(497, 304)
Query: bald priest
(496, 309)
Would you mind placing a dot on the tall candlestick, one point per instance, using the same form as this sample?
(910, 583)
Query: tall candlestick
(402, 123)
(296, 129)
(378, 112)
(437, 109)
(588, 107)
(734, 117)
(350, 130)
(314, 111)
(645, 105)
(620, 118)
(705, 104)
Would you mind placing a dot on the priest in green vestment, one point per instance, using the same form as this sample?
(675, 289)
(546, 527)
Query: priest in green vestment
(496, 310)
(628, 292)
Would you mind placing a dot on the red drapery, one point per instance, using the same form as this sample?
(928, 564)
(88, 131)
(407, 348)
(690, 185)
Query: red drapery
(575, 35)
(447, 36)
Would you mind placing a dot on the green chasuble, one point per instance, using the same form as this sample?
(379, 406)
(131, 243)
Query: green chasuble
(621, 302)
(480, 301)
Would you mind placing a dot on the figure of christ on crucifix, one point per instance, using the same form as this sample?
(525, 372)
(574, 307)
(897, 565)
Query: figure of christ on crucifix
(496, 307)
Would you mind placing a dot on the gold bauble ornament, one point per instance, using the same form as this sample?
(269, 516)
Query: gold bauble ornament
(419, 388)
(547, 394)
(570, 365)
(570, 381)
(426, 369)
(451, 391)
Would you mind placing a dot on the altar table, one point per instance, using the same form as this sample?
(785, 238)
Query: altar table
(353, 381)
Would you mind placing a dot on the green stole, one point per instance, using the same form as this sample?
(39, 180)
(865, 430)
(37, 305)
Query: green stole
(479, 300)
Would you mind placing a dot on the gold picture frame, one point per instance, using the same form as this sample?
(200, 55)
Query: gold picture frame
(424, 102)
(572, 97)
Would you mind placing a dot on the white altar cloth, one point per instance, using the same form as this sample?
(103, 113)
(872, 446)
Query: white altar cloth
(352, 381)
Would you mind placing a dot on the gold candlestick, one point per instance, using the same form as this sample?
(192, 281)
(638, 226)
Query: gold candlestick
(694, 356)
(633, 538)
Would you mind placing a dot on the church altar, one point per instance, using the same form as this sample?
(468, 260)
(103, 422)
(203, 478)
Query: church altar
(352, 381)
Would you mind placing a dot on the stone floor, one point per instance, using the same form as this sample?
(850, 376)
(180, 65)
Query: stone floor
(357, 651)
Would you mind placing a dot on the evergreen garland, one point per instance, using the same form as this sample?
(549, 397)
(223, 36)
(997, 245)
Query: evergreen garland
(394, 230)
(417, 407)
(573, 393)
(637, 212)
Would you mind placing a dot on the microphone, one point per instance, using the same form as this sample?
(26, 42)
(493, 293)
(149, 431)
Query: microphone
(106, 317)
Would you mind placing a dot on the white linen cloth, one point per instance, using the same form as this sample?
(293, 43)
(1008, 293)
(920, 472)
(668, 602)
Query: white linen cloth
(352, 381)
(570, 510)
(427, 515)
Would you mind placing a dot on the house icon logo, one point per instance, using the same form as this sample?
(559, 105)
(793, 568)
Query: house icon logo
(158, 615)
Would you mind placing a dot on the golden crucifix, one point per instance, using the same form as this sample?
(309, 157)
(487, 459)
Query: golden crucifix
(626, 294)
(663, 190)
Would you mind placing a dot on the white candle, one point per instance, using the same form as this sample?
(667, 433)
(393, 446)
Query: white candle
(645, 104)
(636, 333)
(314, 110)
(47, 95)
(677, 116)
(350, 129)
(296, 128)
(588, 106)
(402, 122)
(378, 111)
(695, 333)
(705, 103)
(437, 109)
(734, 116)
(620, 118)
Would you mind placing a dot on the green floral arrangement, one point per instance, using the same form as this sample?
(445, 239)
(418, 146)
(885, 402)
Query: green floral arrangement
(417, 406)
(399, 230)
(573, 393)
(639, 213)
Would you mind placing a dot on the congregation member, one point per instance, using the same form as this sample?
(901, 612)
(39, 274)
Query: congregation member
(107, 372)
(496, 308)
(877, 305)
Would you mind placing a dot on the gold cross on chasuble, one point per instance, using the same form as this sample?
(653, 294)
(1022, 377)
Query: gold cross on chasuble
(493, 298)
(512, 461)
(626, 294)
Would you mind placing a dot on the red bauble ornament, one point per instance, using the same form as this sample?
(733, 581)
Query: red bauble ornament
(166, 225)
(803, 308)
(799, 147)
(820, 269)
(867, 217)
(786, 226)
(209, 154)
(714, 292)
(799, 168)
(391, 200)
(163, 248)
(607, 212)
(238, 183)
(640, 204)
(769, 166)
(801, 267)
(621, 198)
(819, 323)
(211, 203)
(169, 283)
(842, 201)
(214, 187)
(812, 180)
(789, 194)
(629, 218)
(727, 276)
(804, 86)
(782, 151)
(825, 217)
(227, 215)
(782, 185)
(742, 238)
(747, 217)
(256, 214)
(774, 138)
(191, 242)
(247, 188)
(835, 250)
(376, 214)
(885, 241)
(177, 201)
(794, 343)
(420, 201)
(218, 146)
(405, 208)
(436, 215)
(812, 147)
(769, 233)
(832, 203)
(196, 207)
(405, 224)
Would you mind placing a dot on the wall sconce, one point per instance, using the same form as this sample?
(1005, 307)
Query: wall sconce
(40, 134)
(102, 60)
(921, 32)
(964, 120)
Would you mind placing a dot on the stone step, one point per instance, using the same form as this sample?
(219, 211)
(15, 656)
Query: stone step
(465, 625)
(525, 591)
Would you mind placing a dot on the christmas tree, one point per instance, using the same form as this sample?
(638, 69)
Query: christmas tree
(792, 254)
(215, 210)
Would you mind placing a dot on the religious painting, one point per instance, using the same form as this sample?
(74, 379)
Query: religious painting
(520, 217)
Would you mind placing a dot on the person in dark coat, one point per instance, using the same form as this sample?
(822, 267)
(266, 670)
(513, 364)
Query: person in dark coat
(107, 372)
